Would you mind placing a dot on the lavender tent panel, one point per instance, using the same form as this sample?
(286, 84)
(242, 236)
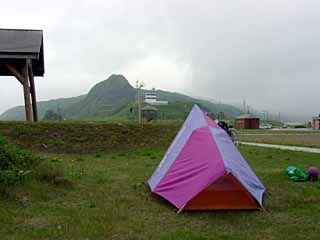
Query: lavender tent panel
(194, 120)
(236, 164)
(198, 165)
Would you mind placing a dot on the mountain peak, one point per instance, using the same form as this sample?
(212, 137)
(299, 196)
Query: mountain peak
(115, 81)
(117, 78)
(107, 97)
(113, 84)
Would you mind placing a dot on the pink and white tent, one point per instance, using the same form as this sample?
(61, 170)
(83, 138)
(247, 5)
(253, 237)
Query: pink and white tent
(200, 155)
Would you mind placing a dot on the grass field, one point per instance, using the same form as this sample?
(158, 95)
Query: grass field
(291, 138)
(279, 131)
(109, 199)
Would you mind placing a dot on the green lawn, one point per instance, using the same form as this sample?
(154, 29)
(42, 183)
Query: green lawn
(280, 131)
(109, 199)
(298, 139)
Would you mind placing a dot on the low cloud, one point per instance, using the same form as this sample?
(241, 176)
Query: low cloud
(266, 53)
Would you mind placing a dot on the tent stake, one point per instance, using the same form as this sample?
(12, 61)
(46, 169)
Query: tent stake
(180, 210)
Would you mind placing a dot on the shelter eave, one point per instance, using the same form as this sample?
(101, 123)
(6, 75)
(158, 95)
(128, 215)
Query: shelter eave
(36, 73)
(24, 55)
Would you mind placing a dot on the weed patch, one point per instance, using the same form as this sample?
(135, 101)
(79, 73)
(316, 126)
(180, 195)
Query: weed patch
(18, 165)
(15, 164)
(48, 171)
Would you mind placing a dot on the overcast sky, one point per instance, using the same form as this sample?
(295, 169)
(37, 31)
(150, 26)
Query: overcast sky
(267, 52)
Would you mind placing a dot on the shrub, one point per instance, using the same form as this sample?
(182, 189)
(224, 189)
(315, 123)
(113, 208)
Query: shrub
(299, 126)
(8, 177)
(47, 171)
(15, 163)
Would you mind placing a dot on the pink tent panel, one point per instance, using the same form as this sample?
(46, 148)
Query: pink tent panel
(196, 167)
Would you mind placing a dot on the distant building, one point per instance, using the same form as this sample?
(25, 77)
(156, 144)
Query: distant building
(247, 121)
(149, 113)
(151, 98)
(316, 123)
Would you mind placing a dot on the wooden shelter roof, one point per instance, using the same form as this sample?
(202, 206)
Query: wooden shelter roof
(16, 45)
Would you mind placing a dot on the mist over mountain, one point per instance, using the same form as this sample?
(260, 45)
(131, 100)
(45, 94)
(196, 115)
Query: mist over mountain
(115, 98)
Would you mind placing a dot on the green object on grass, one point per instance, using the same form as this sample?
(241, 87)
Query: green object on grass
(297, 174)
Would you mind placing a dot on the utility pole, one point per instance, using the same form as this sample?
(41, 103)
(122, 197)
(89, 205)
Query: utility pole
(244, 106)
(264, 115)
(139, 85)
(59, 112)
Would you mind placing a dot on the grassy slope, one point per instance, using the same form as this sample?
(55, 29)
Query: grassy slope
(181, 100)
(88, 137)
(109, 198)
(173, 111)
(178, 110)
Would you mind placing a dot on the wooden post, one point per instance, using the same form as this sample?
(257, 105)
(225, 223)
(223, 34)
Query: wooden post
(32, 91)
(26, 92)
(15, 72)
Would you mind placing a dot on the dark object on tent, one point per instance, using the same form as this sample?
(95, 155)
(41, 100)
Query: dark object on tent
(225, 126)
(21, 56)
(296, 174)
(203, 170)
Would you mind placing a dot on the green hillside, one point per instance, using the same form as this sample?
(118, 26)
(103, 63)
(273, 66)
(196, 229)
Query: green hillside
(18, 113)
(114, 98)
(103, 100)
(175, 110)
